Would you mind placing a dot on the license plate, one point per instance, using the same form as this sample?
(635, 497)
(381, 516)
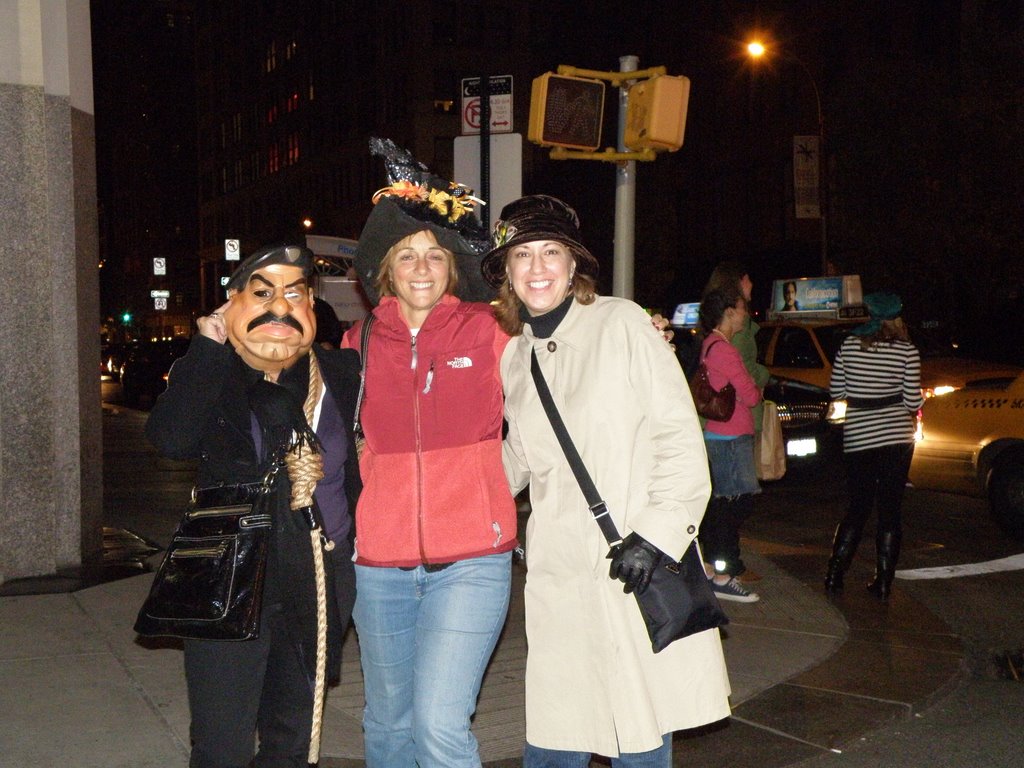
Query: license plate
(805, 446)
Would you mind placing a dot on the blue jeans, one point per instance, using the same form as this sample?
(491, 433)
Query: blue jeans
(424, 642)
(732, 466)
(538, 757)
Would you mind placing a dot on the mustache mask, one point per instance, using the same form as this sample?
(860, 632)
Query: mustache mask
(270, 317)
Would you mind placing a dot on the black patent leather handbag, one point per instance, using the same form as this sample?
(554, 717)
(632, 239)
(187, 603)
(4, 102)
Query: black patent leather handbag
(210, 583)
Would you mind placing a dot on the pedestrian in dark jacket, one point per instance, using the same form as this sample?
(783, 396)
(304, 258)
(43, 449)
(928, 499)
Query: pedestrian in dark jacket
(249, 388)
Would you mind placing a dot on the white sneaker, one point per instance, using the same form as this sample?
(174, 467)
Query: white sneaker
(733, 590)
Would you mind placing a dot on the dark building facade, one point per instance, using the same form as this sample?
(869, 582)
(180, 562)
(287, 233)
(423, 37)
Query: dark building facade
(146, 159)
(289, 94)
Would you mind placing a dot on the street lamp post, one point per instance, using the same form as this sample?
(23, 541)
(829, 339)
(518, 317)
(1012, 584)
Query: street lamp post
(756, 50)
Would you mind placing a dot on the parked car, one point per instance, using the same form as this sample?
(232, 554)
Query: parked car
(111, 359)
(144, 372)
(971, 442)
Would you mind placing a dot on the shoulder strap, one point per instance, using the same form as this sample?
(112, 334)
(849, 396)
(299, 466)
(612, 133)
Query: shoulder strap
(594, 501)
(708, 350)
(364, 349)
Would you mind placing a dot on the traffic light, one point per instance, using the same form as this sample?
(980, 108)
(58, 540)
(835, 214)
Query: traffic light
(566, 112)
(126, 318)
(656, 113)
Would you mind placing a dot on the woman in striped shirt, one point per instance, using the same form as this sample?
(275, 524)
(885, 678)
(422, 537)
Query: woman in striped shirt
(878, 372)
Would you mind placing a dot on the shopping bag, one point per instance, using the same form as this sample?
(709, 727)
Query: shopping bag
(770, 449)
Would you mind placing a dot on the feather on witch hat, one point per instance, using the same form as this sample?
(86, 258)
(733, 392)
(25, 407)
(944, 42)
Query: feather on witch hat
(415, 200)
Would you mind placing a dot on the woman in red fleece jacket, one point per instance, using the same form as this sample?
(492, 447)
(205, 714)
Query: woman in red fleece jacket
(436, 523)
(729, 444)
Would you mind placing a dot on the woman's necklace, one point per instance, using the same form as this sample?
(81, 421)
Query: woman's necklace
(715, 330)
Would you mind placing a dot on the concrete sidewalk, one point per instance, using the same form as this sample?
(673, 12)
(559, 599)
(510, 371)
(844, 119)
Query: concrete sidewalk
(82, 690)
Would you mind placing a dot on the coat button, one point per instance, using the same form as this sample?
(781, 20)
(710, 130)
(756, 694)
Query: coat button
(205, 456)
(691, 529)
(552, 346)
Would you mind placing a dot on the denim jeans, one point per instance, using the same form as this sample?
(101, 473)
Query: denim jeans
(732, 466)
(424, 642)
(538, 757)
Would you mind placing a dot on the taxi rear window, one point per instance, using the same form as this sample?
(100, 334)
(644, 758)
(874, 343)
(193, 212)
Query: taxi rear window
(831, 338)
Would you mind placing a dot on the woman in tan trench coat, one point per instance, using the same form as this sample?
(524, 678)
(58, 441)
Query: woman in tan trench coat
(593, 684)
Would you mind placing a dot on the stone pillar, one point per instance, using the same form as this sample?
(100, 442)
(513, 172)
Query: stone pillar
(51, 448)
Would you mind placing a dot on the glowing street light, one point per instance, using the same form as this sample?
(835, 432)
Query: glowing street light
(757, 50)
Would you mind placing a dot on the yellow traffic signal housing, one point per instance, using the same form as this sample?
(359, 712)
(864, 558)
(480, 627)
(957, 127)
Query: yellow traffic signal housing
(566, 112)
(656, 113)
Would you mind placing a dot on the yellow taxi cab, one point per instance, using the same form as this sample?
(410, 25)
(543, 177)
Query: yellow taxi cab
(971, 442)
(801, 344)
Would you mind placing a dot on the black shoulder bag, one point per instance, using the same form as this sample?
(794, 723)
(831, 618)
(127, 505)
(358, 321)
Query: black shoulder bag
(210, 583)
(679, 600)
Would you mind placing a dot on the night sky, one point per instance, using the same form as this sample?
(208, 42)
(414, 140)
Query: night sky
(921, 103)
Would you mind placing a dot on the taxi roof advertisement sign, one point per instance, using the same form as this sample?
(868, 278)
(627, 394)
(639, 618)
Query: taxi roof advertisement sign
(807, 294)
(815, 297)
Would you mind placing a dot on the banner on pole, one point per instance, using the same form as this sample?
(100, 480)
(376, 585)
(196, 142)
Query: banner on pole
(806, 176)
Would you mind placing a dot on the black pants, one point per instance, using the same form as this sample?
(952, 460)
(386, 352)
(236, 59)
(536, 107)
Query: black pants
(876, 480)
(720, 532)
(236, 689)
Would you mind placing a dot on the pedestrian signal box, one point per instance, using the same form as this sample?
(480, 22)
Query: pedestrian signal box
(566, 112)
(656, 113)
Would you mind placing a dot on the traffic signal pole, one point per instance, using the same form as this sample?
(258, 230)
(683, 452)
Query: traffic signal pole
(625, 198)
(566, 113)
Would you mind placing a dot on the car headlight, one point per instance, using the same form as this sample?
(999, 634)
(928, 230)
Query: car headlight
(943, 389)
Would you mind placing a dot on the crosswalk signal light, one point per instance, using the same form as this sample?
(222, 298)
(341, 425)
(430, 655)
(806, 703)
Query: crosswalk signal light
(566, 112)
(656, 113)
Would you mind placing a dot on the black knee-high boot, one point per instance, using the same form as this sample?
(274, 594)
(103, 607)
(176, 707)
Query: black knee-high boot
(844, 547)
(888, 552)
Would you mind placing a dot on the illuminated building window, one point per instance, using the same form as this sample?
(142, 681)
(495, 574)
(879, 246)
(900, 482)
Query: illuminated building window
(272, 114)
(293, 149)
(271, 60)
(273, 159)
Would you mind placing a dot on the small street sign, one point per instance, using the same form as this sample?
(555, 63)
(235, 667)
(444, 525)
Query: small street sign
(160, 294)
(232, 249)
(500, 88)
(159, 266)
(160, 303)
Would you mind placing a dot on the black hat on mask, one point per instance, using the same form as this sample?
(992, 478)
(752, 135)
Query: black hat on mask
(289, 254)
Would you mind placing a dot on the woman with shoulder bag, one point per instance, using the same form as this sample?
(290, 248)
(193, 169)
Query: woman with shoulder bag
(593, 682)
(729, 444)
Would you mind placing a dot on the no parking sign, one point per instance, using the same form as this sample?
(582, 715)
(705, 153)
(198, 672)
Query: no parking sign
(500, 99)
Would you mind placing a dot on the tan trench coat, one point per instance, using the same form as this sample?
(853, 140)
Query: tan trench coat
(593, 684)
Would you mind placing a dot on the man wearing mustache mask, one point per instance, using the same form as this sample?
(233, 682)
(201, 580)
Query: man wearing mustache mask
(251, 389)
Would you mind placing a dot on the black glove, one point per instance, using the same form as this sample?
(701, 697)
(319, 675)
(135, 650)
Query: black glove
(633, 563)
